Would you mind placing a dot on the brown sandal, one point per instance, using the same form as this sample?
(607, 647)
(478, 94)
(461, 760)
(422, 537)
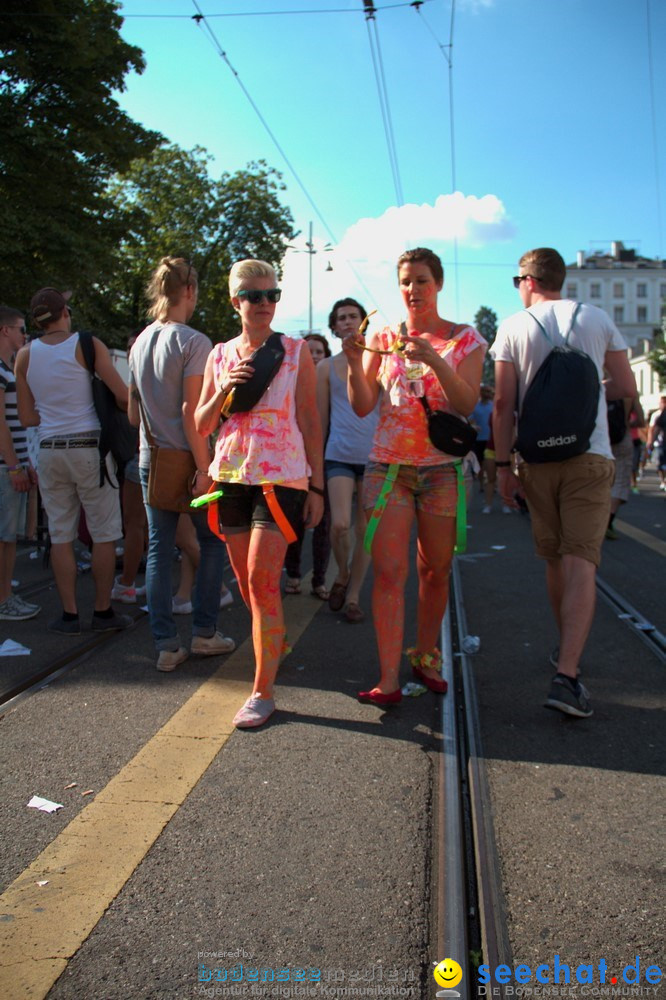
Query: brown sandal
(336, 598)
(353, 613)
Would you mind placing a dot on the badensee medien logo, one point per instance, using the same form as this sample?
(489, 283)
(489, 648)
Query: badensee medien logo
(594, 980)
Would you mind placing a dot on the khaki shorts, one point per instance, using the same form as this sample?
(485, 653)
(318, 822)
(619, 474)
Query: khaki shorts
(569, 504)
(68, 480)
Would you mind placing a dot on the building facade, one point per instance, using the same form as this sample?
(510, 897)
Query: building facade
(630, 288)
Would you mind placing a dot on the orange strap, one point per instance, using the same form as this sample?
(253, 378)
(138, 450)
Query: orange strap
(277, 512)
(273, 505)
(213, 514)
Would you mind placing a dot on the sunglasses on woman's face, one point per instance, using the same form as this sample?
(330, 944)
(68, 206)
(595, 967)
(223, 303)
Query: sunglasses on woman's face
(255, 295)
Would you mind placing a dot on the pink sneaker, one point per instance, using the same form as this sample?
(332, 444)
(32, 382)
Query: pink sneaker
(254, 712)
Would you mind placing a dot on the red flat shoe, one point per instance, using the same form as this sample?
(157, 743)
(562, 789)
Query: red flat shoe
(378, 698)
(438, 686)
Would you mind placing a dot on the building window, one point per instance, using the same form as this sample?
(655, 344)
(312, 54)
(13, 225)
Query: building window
(618, 290)
(641, 314)
(595, 290)
(572, 290)
(641, 290)
(618, 314)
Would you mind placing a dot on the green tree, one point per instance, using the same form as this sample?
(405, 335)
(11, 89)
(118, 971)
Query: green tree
(174, 206)
(485, 321)
(63, 137)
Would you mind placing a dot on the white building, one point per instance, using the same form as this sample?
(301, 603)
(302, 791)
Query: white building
(630, 288)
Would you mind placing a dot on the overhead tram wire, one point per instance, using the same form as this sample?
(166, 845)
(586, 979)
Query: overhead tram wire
(200, 19)
(655, 146)
(382, 90)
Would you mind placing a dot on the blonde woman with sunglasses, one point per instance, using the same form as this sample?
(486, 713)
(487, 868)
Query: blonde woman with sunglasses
(268, 464)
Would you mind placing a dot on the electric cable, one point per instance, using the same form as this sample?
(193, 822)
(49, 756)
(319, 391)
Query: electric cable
(655, 146)
(382, 90)
(201, 19)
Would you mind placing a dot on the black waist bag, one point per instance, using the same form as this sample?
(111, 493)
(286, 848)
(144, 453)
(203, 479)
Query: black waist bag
(449, 433)
(266, 361)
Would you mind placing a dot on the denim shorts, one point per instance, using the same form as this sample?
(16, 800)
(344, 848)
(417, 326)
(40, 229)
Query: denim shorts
(432, 489)
(131, 471)
(352, 470)
(12, 508)
(242, 507)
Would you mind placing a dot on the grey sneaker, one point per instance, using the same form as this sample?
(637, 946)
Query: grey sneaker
(567, 697)
(113, 624)
(254, 712)
(16, 610)
(169, 659)
(26, 606)
(212, 645)
(65, 628)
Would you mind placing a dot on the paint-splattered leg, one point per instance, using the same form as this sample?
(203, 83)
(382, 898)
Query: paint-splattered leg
(390, 555)
(264, 567)
(436, 540)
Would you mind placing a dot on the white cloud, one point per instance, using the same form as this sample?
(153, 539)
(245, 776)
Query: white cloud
(473, 221)
(371, 246)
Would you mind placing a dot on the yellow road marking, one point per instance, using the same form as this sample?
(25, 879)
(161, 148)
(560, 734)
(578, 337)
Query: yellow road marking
(644, 537)
(91, 860)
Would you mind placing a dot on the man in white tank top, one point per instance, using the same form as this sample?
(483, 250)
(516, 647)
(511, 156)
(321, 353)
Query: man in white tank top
(55, 395)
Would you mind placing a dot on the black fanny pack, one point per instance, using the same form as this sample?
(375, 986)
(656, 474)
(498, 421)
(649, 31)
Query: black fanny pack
(450, 434)
(266, 361)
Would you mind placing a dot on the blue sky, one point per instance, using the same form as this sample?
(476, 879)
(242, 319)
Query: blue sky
(555, 114)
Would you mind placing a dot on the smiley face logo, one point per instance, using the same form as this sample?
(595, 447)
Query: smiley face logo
(448, 973)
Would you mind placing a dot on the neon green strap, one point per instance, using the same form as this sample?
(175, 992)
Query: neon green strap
(461, 510)
(382, 499)
(380, 506)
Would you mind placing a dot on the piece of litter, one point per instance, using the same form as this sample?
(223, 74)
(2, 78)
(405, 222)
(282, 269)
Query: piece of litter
(34, 555)
(11, 648)
(72, 784)
(45, 882)
(89, 792)
(16, 583)
(645, 626)
(498, 548)
(471, 644)
(37, 802)
(625, 615)
(413, 690)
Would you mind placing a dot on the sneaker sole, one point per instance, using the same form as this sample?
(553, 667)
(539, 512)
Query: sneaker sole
(167, 668)
(562, 706)
(211, 652)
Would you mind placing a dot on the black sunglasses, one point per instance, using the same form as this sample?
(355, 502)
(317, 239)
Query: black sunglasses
(255, 295)
(521, 277)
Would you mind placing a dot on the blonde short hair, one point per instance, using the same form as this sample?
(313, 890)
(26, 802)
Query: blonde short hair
(244, 269)
(170, 279)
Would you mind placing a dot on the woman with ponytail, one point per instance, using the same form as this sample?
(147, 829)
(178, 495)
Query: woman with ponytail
(167, 365)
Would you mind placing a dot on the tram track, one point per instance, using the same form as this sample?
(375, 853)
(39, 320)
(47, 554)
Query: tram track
(643, 628)
(471, 913)
(74, 657)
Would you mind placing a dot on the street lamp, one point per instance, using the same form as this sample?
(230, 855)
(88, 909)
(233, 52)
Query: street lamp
(310, 250)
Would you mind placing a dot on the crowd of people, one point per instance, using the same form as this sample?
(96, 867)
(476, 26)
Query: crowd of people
(280, 436)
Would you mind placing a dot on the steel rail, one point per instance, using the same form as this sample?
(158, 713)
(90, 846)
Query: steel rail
(60, 665)
(452, 907)
(645, 630)
(490, 900)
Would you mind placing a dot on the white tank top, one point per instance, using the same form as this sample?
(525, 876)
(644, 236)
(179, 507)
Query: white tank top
(62, 390)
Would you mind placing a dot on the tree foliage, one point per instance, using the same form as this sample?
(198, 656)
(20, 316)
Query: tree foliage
(174, 206)
(485, 321)
(63, 137)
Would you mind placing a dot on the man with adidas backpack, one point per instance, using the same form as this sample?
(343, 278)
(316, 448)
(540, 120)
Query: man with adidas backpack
(550, 359)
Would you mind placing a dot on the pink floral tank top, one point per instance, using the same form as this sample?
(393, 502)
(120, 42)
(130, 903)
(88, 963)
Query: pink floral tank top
(264, 445)
(402, 431)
